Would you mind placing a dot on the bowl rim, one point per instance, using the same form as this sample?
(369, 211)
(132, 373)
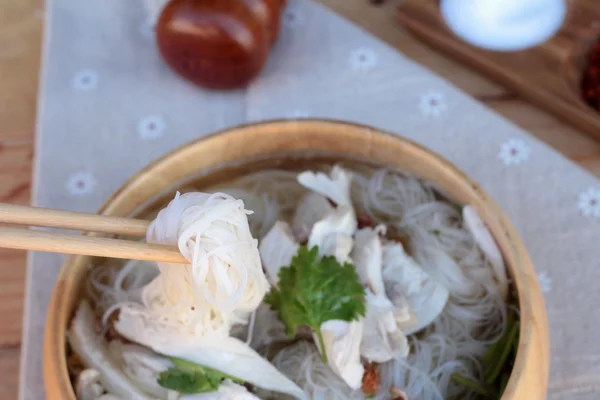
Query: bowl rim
(530, 343)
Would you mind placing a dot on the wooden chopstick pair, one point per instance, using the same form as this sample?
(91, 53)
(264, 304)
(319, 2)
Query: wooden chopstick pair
(56, 242)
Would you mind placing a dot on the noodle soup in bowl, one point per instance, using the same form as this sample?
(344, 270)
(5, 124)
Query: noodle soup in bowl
(370, 268)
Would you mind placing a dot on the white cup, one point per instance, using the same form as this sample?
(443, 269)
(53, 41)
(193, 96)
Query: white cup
(504, 25)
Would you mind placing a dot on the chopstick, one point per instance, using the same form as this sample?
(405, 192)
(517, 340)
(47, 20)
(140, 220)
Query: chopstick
(49, 218)
(56, 242)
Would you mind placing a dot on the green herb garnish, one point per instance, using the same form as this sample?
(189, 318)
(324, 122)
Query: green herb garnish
(471, 384)
(189, 378)
(312, 291)
(505, 348)
(497, 363)
(503, 382)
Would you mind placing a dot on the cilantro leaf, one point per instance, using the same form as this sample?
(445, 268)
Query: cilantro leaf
(189, 378)
(312, 291)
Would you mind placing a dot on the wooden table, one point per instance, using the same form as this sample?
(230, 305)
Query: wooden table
(20, 43)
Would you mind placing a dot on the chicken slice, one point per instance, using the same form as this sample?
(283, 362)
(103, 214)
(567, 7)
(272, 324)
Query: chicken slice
(312, 208)
(383, 340)
(143, 367)
(368, 257)
(342, 345)
(94, 353)
(404, 277)
(88, 386)
(337, 245)
(405, 317)
(335, 187)
(333, 234)
(277, 249)
(488, 246)
(223, 353)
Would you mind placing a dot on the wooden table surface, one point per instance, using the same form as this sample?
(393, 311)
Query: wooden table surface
(21, 24)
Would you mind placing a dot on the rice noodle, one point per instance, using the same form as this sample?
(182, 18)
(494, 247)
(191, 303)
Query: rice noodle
(474, 316)
(455, 342)
(111, 284)
(224, 281)
(302, 363)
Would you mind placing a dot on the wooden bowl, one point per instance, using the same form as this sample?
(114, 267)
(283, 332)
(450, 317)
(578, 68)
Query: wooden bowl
(284, 143)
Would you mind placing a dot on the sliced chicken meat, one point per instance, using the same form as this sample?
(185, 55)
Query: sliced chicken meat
(405, 317)
(312, 208)
(333, 234)
(383, 340)
(342, 346)
(488, 246)
(335, 186)
(405, 278)
(277, 249)
(88, 385)
(223, 353)
(368, 258)
(95, 355)
(143, 367)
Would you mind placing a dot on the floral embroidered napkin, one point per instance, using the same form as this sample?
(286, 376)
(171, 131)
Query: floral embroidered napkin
(109, 106)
